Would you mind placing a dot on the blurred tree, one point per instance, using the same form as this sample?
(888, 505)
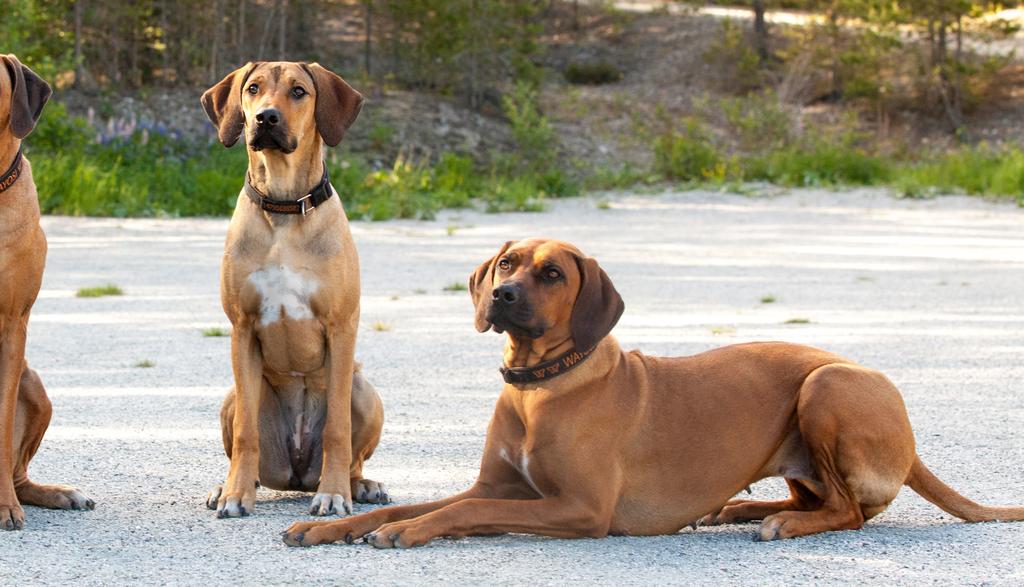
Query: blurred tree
(464, 47)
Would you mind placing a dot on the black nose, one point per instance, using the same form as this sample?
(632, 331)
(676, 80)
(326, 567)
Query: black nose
(268, 116)
(506, 293)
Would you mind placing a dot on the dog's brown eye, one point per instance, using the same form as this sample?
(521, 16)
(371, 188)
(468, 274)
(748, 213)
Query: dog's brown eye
(298, 92)
(553, 274)
(504, 265)
(254, 89)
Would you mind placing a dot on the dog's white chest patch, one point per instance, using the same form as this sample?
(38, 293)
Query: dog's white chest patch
(523, 466)
(283, 291)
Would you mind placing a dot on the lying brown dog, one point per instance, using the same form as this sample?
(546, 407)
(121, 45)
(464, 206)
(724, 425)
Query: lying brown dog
(300, 416)
(24, 408)
(589, 440)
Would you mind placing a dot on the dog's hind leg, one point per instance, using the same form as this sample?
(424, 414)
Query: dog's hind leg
(748, 510)
(858, 434)
(367, 422)
(30, 423)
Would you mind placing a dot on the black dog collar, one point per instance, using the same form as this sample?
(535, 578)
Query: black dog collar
(10, 177)
(547, 370)
(304, 205)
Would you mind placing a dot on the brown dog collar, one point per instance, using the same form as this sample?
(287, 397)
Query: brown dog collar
(304, 205)
(547, 370)
(10, 177)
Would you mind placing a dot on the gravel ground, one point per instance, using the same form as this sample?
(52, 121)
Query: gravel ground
(929, 292)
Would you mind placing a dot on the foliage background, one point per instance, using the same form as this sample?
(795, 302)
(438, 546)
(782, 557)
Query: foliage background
(830, 101)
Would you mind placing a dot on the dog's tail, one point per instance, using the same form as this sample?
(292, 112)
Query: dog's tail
(930, 487)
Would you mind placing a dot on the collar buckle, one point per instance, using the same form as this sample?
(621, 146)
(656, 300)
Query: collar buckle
(305, 205)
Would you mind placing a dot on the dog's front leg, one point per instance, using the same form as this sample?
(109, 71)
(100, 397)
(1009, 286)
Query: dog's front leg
(12, 362)
(238, 497)
(334, 493)
(560, 517)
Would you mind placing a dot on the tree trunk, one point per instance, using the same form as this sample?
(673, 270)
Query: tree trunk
(218, 26)
(240, 41)
(282, 33)
(368, 17)
(837, 73)
(79, 65)
(760, 30)
(265, 37)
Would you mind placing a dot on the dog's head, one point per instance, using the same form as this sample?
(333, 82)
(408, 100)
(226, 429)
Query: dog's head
(281, 106)
(545, 289)
(22, 97)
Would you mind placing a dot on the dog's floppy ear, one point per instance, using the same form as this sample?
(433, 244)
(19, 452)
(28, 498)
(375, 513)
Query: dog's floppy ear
(29, 94)
(480, 287)
(598, 305)
(337, 104)
(223, 104)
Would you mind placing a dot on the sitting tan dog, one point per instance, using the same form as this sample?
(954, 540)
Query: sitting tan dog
(590, 440)
(24, 408)
(301, 416)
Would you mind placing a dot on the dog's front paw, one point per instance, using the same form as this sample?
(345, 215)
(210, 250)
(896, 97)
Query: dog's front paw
(233, 504)
(347, 530)
(329, 504)
(368, 491)
(12, 517)
(397, 535)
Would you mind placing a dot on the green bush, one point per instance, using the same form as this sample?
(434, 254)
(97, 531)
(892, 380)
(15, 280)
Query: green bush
(818, 163)
(593, 73)
(144, 174)
(688, 154)
(151, 174)
(759, 120)
(535, 160)
(981, 170)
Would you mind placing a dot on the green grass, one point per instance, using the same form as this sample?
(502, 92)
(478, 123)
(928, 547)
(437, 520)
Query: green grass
(145, 364)
(798, 321)
(157, 175)
(456, 286)
(99, 291)
(216, 332)
(982, 171)
(768, 299)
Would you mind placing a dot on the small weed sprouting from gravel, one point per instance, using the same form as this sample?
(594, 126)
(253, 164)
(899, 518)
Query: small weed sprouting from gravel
(419, 291)
(99, 291)
(379, 326)
(216, 331)
(456, 286)
(798, 321)
(768, 299)
(723, 330)
(145, 364)
(604, 204)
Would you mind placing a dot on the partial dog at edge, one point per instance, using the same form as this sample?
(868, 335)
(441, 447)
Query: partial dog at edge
(24, 408)
(300, 416)
(588, 440)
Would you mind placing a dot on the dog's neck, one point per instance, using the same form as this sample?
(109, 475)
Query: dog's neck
(286, 177)
(524, 352)
(8, 149)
